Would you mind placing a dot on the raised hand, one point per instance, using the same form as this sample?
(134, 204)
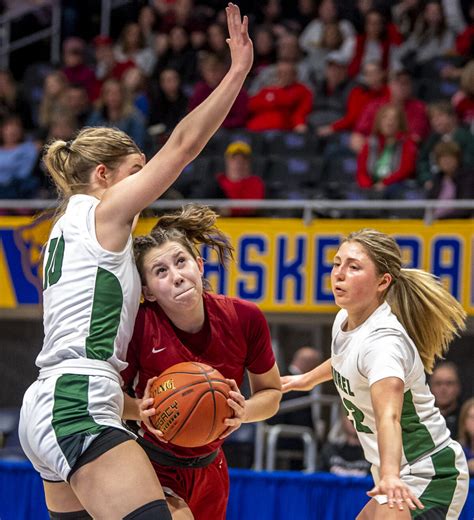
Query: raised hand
(240, 44)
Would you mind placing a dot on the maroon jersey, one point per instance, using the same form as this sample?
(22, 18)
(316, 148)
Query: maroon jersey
(235, 337)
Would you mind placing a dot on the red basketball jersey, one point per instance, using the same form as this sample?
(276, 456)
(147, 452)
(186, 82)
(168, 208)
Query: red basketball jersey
(235, 337)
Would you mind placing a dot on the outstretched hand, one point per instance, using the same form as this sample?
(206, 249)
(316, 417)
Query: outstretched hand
(298, 383)
(398, 493)
(147, 410)
(240, 44)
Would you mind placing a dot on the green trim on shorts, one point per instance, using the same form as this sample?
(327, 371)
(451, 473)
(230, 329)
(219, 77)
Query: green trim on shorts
(105, 317)
(416, 438)
(440, 491)
(72, 422)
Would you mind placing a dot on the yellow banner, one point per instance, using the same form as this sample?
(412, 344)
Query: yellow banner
(282, 265)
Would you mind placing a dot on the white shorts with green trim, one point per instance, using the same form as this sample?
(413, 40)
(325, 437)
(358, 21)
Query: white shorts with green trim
(440, 481)
(61, 416)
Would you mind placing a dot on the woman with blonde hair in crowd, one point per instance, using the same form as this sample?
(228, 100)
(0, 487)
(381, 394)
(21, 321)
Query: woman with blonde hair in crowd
(71, 418)
(393, 324)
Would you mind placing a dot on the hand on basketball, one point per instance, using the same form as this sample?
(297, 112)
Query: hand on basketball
(241, 48)
(298, 383)
(397, 493)
(237, 403)
(147, 410)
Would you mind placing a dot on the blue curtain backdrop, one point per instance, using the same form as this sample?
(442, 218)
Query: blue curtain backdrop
(266, 496)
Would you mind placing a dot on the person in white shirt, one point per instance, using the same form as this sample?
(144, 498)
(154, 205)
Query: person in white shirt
(379, 355)
(71, 418)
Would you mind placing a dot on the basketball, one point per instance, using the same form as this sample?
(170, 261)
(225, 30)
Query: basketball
(191, 404)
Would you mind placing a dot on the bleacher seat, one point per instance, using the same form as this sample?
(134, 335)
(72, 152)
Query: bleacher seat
(291, 144)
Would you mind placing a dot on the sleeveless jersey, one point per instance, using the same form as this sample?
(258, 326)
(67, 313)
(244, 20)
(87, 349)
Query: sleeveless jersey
(234, 341)
(377, 349)
(90, 296)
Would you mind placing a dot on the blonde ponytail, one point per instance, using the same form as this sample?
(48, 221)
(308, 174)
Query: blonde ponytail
(431, 316)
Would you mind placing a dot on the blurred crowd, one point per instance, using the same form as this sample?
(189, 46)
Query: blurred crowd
(346, 100)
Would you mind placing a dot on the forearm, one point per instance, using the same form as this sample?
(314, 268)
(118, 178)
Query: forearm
(262, 405)
(320, 374)
(195, 130)
(131, 411)
(389, 440)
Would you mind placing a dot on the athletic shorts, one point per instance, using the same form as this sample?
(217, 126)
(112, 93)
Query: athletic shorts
(205, 490)
(62, 415)
(440, 481)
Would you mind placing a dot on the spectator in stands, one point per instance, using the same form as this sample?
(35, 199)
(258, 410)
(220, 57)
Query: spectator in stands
(389, 155)
(376, 43)
(264, 49)
(132, 46)
(446, 388)
(107, 65)
(74, 66)
(466, 432)
(445, 127)
(287, 50)
(177, 54)
(342, 454)
(18, 158)
(311, 37)
(237, 182)
(431, 38)
(12, 100)
(115, 110)
(400, 92)
(169, 103)
(404, 15)
(76, 104)
(330, 45)
(373, 88)
(465, 40)
(135, 84)
(452, 181)
(216, 41)
(283, 106)
(54, 87)
(212, 71)
(331, 94)
(463, 99)
(147, 23)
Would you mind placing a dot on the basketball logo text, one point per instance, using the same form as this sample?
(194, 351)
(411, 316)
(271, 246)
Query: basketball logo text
(166, 385)
(167, 417)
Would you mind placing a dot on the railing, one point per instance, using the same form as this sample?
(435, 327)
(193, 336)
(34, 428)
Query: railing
(266, 435)
(52, 31)
(308, 207)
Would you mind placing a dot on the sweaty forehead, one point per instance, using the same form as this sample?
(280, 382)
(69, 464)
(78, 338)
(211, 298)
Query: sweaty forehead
(163, 253)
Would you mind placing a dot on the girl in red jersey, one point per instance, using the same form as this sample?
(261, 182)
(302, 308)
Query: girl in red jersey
(181, 321)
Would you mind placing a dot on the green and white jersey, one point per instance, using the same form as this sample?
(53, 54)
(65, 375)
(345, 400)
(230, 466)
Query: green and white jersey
(90, 296)
(377, 349)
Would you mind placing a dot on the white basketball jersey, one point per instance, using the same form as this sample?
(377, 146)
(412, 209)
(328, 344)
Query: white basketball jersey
(90, 296)
(377, 349)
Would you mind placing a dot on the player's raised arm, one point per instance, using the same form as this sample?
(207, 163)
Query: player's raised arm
(124, 200)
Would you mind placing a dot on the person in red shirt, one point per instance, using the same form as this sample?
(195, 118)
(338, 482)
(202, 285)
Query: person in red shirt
(400, 93)
(283, 106)
(182, 321)
(237, 182)
(373, 88)
(389, 155)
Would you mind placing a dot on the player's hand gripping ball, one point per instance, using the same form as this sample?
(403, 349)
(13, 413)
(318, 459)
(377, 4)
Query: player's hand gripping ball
(191, 404)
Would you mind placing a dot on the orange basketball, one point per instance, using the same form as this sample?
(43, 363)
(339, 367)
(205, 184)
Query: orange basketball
(191, 404)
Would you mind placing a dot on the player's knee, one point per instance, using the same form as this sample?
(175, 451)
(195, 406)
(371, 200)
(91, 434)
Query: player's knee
(156, 510)
(73, 515)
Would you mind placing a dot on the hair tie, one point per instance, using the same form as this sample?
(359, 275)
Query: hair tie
(68, 145)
